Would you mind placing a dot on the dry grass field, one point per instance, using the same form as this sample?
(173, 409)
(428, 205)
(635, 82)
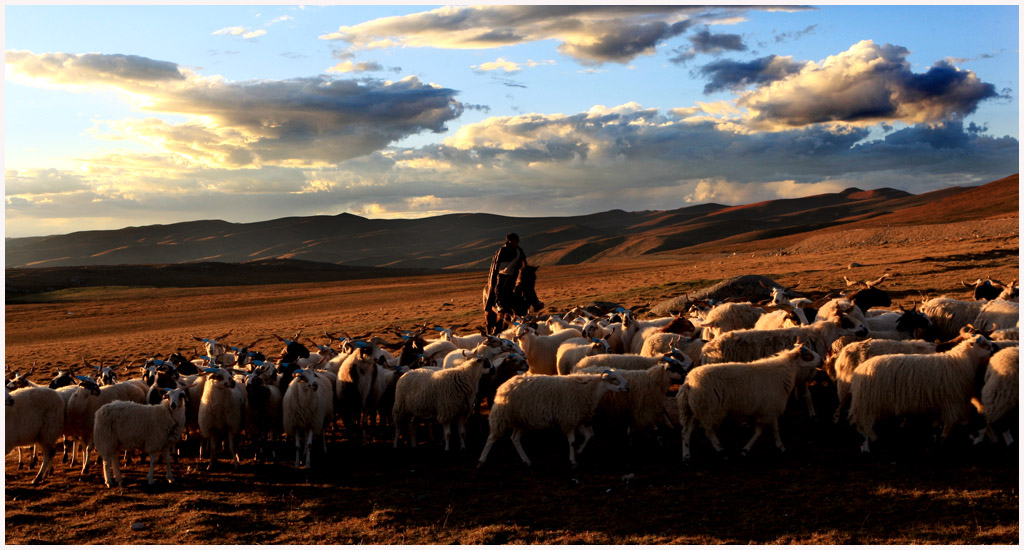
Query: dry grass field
(821, 491)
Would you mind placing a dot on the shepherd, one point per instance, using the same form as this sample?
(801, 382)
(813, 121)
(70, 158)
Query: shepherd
(510, 286)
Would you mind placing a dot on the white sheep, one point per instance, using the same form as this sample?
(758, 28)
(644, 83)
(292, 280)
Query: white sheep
(304, 412)
(626, 361)
(779, 318)
(731, 316)
(81, 409)
(1000, 395)
(660, 344)
(998, 314)
(572, 350)
(756, 390)
(469, 341)
(538, 402)
(221, 413)
(152, 429)
(442, 396)
(643, 407)
(853, 354)
(939, 384)
(34, 416)
(541, 351)
(435, 352)
(356, 379)
(748, 345)
(262, 408)
(949, 315)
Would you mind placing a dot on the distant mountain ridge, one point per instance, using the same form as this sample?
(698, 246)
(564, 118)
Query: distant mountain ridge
(466, 241)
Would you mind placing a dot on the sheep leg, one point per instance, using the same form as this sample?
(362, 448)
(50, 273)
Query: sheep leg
(86, 448)
(571, 436)
(211, 447)
(778, 439)
(167, 462)
(447, 428)
(688, 427)
(710, 432)
(1008, 437)
(588, 433)
(115, 466)
(309, 449)
(487, 449)
(807, 399)
(462, 433)
(47, 458)
(107, 475)
(758, 429)
(298, 448)
(152, 467)
(844, 401)
(517, 434)
(231, 448)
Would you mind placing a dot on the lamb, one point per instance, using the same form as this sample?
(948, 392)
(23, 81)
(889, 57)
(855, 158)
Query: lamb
(999, 395)
(221, 412)
(34, 416)
(537, 402)
(895, 385)
(541, 351)
(304, 412)
(153, 429)
(444, 396)
(756, 390)
(901, 325)
(572, 350)
(852, 355)
(644, 406)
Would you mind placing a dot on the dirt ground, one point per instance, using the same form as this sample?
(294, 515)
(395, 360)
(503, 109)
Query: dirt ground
(821, 491)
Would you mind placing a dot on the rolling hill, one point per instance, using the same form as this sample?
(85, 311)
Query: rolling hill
(466, 241)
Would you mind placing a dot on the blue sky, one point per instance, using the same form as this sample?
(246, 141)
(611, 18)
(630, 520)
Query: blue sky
(129, 115)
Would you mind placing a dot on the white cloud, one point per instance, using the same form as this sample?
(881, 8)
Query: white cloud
(244, 32)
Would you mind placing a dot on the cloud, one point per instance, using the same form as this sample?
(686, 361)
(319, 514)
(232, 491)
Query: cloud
(244, 32)
(81, 70)
(592, 35)
(624, 156)
(296, 122)
(360, 67)
(795, 35)
(705, 42)
(734, 75)
(500, 64)
(865, 85)
(42, 182)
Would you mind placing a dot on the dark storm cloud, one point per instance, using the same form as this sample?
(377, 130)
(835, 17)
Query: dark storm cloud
(734, 75)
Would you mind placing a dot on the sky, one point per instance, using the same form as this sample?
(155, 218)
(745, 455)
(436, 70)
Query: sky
(133, 115)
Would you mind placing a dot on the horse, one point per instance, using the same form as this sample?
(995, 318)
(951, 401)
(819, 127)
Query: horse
(522, 299)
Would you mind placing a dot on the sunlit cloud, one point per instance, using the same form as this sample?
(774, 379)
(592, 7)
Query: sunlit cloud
(589, 34)
(244, 32)
(297, 122)
(865, 85)
(356, 67)
(500, 64)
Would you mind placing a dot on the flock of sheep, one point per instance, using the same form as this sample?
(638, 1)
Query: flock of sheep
(735, 359)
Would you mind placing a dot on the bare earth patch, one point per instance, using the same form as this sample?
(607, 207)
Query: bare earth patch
(820, 492)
